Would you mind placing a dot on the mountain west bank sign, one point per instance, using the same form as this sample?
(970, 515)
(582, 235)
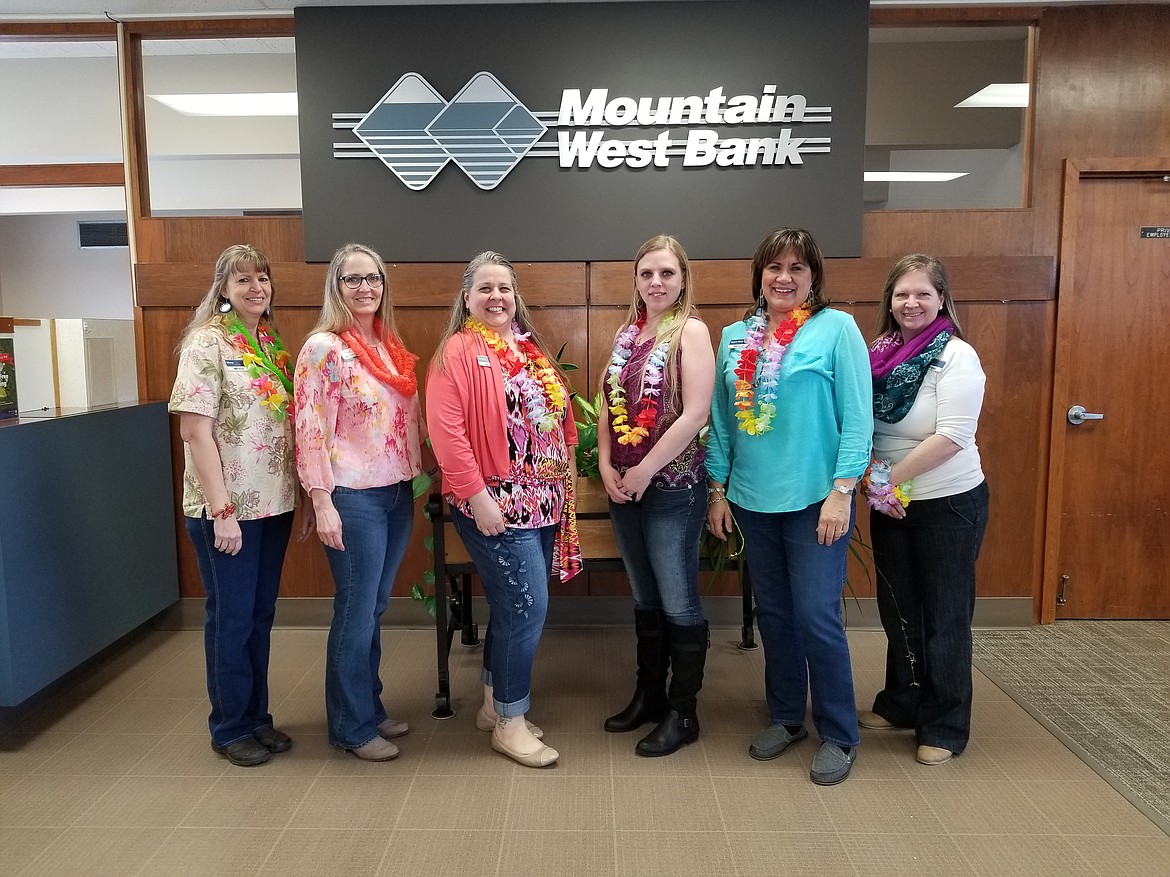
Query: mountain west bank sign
(576, 131)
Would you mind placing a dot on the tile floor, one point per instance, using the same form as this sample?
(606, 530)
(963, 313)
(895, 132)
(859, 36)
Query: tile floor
(112, 774)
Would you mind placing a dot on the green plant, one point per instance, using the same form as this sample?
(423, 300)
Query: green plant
(421, 487)
(587, 435)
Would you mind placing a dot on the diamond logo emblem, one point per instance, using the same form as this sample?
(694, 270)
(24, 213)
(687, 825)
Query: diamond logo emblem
(483, 129)
(395, 131)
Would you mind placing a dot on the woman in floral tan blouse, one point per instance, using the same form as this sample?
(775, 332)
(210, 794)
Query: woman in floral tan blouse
(358, 448)
(232, 395)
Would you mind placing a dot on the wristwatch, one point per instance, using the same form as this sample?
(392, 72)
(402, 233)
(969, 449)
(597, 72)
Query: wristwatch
(840, 488)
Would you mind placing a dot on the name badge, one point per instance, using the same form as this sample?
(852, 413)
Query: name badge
(937, 364)
(348, 355)
(484, 361)
(234, 365)
(736, 342)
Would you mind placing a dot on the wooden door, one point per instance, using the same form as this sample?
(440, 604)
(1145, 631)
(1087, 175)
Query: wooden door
(1109, 499)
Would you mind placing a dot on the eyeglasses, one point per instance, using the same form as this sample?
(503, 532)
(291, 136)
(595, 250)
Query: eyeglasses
(353, 281)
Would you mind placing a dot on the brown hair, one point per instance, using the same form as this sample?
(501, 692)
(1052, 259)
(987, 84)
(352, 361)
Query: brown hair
(935, 272)
(802, 245)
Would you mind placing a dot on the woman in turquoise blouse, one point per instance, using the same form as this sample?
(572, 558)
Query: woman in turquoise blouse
(791, 426)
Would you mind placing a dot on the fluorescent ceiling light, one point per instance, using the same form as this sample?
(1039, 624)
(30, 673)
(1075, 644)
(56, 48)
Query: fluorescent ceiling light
(998, 94)
(272, 103)
(912, 176)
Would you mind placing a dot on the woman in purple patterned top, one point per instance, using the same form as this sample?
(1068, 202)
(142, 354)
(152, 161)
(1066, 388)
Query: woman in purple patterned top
(658, 390)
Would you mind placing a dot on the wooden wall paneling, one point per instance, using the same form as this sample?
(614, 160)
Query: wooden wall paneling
(894, 233)
(980, 278)
(971, 16)
(202, 239)
(56, 31)
(196, 28)
(1102, 88)
(41, 175)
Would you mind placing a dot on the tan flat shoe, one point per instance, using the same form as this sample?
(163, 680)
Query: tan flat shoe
(933, 755)
(542, 757)
(870, 719)
(484, 722)
(378, 749)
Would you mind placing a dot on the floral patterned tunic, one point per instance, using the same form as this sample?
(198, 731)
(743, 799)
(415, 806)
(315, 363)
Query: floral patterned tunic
(256, 450)
(352, 430)
(533, 495)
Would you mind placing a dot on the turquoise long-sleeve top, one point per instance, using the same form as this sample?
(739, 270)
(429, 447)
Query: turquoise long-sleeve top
(823, 428)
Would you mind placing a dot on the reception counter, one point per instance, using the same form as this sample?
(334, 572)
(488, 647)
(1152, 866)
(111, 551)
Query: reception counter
(87, 537)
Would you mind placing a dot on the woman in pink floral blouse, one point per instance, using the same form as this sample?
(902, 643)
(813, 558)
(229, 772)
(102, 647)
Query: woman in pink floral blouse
(358, 448)
(232, 395)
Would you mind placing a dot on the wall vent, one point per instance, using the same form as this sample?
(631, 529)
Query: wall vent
(102, 235)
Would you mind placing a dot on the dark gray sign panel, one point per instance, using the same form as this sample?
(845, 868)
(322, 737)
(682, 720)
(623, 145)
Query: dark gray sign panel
(575, 131)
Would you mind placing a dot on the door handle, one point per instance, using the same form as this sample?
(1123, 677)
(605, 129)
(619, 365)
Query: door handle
(1078, 415)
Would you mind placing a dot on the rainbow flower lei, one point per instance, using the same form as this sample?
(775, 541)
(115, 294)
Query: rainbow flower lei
(541, 390)
(750, 421)
(264, 361)
(651, 385)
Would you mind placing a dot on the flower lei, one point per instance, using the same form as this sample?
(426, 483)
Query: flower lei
(880, 494)
(745, 370)
(264, 361)
(541, 390)
(405, 382)
(651, 385)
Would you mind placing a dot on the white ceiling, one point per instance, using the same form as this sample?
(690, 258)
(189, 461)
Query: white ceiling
(82, 9)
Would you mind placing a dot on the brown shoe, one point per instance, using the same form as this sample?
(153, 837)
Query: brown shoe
(870, 719)
(378, 749)
(933, 755)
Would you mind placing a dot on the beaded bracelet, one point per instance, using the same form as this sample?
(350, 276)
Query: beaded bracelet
(229, 509)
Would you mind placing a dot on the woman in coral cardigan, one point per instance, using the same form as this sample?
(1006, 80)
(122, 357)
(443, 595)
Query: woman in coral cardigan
(501, 426)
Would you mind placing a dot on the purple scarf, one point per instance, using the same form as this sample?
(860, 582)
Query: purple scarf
(899, 367)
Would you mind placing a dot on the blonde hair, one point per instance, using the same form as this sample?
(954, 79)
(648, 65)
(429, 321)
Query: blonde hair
(459, 312)
(935, 272)
(336, 316)
(231, 261)
(682, 311)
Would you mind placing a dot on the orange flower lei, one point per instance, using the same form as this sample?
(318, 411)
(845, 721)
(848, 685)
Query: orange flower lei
(405, 382)
(543, 393)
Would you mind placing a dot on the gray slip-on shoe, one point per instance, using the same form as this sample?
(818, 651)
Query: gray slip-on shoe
(772, 741)
(831, 765)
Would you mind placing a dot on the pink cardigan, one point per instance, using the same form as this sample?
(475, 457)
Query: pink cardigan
(467, 416)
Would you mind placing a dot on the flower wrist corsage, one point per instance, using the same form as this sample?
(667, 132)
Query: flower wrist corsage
(880, 494)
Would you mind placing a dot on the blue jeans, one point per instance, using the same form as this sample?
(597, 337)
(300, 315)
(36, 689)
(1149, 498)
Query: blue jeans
(375, 528)
(514, 568)
(658, 537)
(798, 585)
(926, 597)
(237, 632)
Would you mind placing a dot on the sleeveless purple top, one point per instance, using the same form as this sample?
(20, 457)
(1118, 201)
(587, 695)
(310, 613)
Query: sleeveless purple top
(685, 470)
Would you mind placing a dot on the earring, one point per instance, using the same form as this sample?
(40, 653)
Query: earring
(224, 306)
(268, 312)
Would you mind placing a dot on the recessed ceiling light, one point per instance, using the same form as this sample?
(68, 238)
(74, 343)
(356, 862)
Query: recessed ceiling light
(272, 103)
(912, 176)
(998, 94)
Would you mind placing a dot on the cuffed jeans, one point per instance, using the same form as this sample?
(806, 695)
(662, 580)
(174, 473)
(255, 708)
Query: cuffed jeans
(658, 537)
(926, 598)
(798, 585)
(237, 632)
(514, 568)
(375, 528)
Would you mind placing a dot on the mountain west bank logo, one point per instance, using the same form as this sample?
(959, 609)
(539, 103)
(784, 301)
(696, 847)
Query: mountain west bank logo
(486, 131)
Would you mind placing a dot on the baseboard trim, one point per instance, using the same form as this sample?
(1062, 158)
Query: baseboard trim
(317, 612)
